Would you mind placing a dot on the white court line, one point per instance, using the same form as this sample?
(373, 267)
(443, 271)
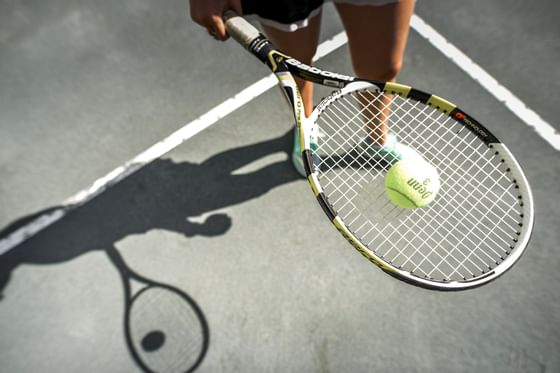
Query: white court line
(256, 89)
(501, 93)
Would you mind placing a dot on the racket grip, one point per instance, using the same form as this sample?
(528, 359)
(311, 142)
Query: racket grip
(239, 29)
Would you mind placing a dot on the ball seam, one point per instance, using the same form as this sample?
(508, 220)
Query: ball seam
(404, 195)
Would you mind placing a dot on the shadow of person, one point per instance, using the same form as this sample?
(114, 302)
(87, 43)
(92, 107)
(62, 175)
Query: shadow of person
(163, 195)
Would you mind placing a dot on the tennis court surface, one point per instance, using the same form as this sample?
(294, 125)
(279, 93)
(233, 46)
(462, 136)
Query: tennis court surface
(134, 165)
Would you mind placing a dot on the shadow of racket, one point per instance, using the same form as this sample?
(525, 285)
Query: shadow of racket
(165, 329)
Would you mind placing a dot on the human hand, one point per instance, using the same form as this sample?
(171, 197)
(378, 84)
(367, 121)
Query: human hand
(208, 14)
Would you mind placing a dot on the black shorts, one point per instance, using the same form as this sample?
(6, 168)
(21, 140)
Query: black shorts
(290, 15)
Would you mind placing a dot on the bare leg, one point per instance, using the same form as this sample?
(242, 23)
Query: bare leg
(302, 45)
(377, 38)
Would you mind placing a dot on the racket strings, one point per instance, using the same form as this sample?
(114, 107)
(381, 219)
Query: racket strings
(348, 116)
(469, 229)
(478, 267)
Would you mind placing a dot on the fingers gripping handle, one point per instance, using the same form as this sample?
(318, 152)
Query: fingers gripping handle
(239, 29)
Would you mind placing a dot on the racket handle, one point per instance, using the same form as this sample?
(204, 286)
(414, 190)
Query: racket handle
(239, 29)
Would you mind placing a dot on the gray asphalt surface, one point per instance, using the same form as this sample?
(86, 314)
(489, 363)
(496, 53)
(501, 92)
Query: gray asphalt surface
(86, 86)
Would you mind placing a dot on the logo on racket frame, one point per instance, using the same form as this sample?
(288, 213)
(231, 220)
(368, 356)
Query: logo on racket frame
(471, 123)
(315, 70)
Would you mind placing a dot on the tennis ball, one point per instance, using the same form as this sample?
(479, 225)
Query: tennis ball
(412, 183)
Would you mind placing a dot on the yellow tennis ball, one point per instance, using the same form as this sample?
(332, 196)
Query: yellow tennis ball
(412, 183)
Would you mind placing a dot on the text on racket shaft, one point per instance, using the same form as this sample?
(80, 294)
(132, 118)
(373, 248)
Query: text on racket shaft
(317, 71)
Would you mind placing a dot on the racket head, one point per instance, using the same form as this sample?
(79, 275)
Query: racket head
(480, 222)
(497, 229)
(165, 329)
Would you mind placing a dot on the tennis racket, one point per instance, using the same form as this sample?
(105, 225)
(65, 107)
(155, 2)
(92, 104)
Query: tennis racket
(165, 329)
(482, 218)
